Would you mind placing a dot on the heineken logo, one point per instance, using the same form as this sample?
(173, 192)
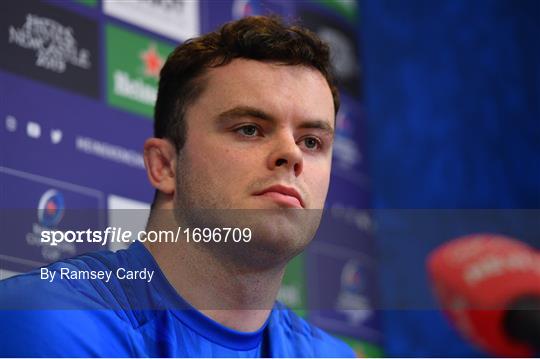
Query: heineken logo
(133, 65)
(152, 61)
(134, 88)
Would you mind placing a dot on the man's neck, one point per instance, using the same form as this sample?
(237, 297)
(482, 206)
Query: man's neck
(230, 293)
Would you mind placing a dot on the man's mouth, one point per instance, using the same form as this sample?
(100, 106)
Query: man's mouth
(284, 195)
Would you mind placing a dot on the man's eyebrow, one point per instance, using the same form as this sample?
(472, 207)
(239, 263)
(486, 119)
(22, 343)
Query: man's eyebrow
(249, 111)
(245, 111)
(318, 124)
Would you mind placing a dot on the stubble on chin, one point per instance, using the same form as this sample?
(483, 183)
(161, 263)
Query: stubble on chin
(278, 234)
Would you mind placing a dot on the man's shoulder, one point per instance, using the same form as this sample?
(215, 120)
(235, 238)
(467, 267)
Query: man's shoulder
(68, 316)
(306, 340)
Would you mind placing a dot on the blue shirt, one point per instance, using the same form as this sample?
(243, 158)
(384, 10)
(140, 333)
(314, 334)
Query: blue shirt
(135, 318)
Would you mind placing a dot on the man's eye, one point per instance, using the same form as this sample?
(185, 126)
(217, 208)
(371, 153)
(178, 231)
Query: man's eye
(248, 130)
(311, 143)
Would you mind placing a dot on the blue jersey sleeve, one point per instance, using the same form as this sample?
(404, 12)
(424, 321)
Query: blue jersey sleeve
(63, 319)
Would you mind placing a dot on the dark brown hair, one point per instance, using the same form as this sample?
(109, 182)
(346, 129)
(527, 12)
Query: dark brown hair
(259, 38)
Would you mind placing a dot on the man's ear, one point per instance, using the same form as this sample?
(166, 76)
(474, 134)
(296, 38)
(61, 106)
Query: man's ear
(160, 163)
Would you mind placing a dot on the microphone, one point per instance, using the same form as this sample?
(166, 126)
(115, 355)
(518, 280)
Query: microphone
(489, 285)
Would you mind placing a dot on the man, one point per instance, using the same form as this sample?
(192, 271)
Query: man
(244, 125)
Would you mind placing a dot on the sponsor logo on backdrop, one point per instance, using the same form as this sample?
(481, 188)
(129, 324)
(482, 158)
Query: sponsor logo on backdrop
(133, 88)
(136, 88)
(343, 47)
(90, 3)
(33, 129)
(153, 62)
(133, 65)
(243, 8)
(293, 287)
(290, 295)
(340, 283)
(33, 204)
(54, 44)
(128, 214)
(346, 150)
(343, 57)
(359, 218)
(11, 123)
(50, 211)
(109, 152)
(56, 135)
(50, 44)
(348, 8)
(351, 299)
(177, 19)
(51, 208)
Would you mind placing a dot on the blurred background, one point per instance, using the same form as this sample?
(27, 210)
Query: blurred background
(438, 137)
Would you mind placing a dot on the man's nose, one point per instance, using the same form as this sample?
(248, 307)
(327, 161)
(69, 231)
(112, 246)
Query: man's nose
(286, 154)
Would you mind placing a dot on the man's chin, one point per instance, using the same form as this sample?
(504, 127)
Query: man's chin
(285, 229)
(272, 246)
(277, 234)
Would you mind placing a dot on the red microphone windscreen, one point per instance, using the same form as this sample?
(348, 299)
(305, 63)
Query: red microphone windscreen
(476, 278)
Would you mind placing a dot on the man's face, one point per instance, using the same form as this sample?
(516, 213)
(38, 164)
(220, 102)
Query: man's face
(259, 137)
